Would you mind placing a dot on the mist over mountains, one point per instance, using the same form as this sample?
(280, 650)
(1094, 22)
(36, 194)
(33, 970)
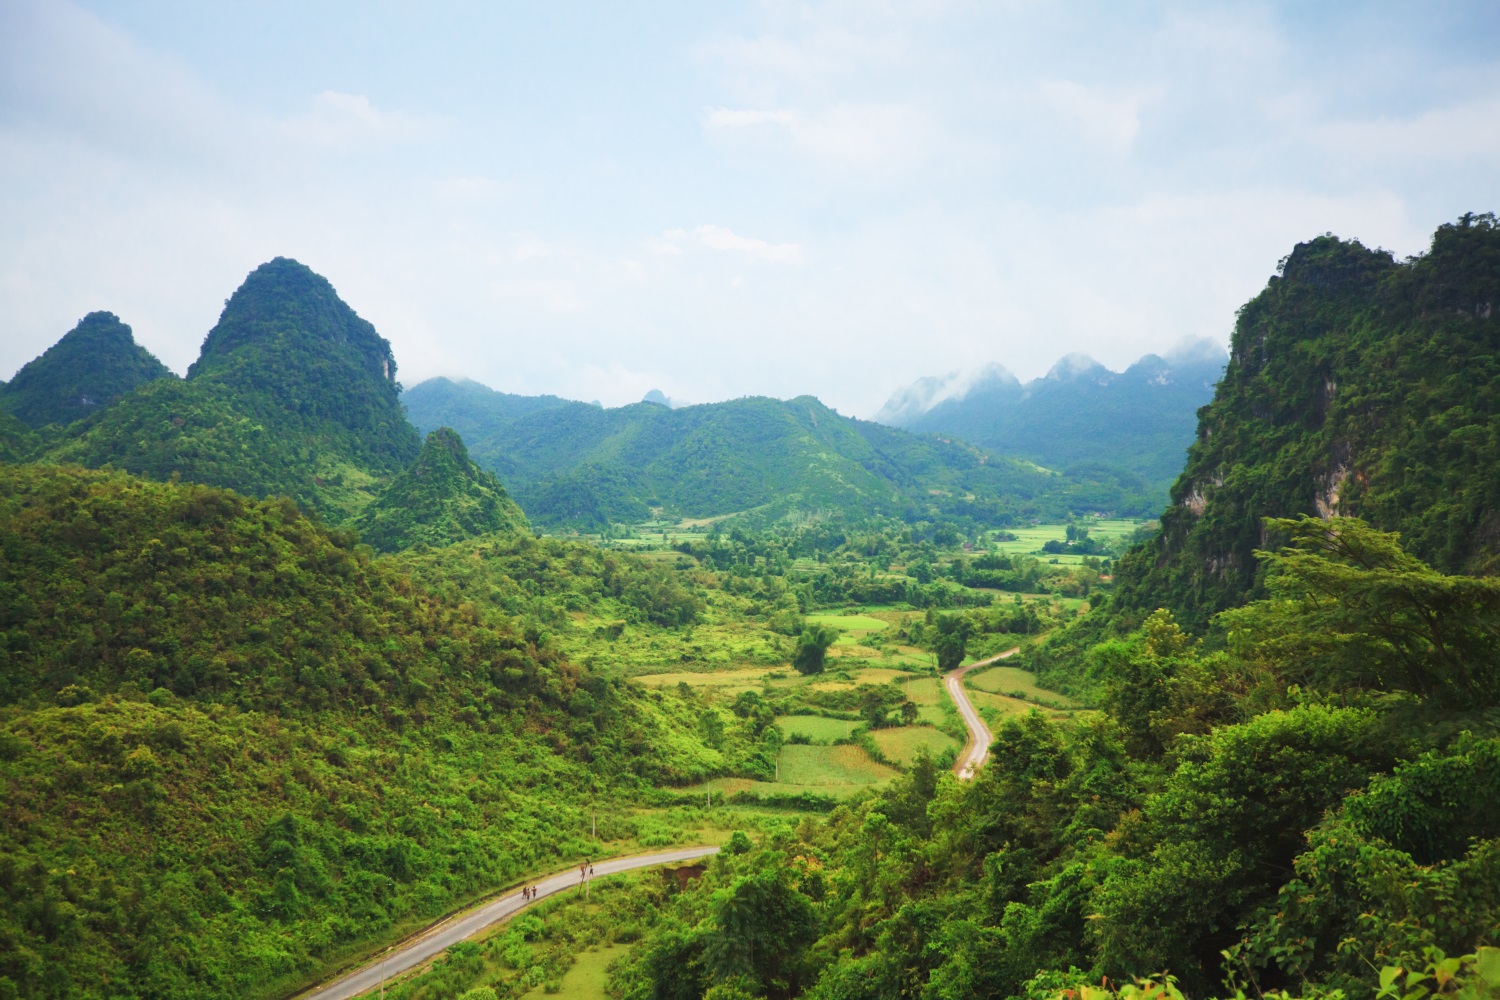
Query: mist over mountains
(1079, 415)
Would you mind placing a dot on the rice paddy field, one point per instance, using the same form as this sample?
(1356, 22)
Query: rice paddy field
(815, 727)
(903, 744)
(818, 770)
(1031, 538)
(1010, 681)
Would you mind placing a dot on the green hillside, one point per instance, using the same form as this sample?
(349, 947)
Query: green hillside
(443, 498)
(1356, 385)
(94, 364)
(233, 748)
(292, 394)
(578, 464)
(467, 406)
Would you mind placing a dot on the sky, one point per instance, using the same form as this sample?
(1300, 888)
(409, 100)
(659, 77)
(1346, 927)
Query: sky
(724, 199)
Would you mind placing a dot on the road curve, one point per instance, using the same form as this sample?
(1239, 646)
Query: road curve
(977, 749)
(433, 941)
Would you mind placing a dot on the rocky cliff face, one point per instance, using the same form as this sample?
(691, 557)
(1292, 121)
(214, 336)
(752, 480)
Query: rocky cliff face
(1357, 386)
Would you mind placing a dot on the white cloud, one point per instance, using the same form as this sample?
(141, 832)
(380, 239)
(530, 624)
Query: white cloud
(1102, 115)
(870, 138)
(336, 119)
(727, 240)
(1461, 131)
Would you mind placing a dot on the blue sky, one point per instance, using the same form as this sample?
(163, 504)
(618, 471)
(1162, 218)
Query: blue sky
(724, 199)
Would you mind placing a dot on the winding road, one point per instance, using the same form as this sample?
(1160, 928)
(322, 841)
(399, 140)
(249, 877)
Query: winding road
(980, 737)
(437, 938)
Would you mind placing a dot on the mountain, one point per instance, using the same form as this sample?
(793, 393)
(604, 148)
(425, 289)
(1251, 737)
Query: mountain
(579, 464)
(292, 394)
(93, 364)
(443, 498)
(1079, 415)
(467, 406)
(1359, 386)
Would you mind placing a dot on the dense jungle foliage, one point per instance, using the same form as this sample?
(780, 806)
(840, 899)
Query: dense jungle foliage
(293, 394)
(443, 498)
(1277, 809)
(93, 364)
(1356, 385)
(234, 746)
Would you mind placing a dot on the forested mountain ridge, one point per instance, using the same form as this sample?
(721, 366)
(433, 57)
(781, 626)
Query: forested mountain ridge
(292, 394)
(468, 406)
(578, 464)
(1356, 385)
(92, 365)
(443, 498)
(1078, 416)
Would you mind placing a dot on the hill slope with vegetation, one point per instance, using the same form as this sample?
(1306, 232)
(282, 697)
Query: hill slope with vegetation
(443, 498)
(468, 406)
(582, 465)
(1356, 385)
(293, 394)
(93, 364)
(232, 747)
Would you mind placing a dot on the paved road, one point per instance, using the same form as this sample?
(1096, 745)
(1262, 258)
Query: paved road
(980, 738)
(433, 941)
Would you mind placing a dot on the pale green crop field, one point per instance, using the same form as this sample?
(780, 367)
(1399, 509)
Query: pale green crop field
(903, 743)
(1031, 538)
(819, 767)
(1007, 680)
(815, 727)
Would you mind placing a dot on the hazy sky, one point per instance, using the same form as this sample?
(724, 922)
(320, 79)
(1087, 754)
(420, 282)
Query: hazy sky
(724, 199)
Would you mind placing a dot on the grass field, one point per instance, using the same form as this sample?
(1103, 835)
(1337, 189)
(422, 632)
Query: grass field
(996, 706)
(849, 623)
(1030, 539)
(819, 767)
(902, 744)
(586, 978)
(1007, 680)
(815, 727)
(818, 770)
(748, 678)
(852, 631)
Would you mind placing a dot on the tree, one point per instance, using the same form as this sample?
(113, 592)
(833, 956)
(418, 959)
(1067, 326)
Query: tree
(872, 707)
(812, 648)
(909, 712)
(1350, 608)
(951, 641)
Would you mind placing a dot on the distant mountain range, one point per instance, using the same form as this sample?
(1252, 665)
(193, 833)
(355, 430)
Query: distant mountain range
(293, 394)
(1080, 415)
(571, 463)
